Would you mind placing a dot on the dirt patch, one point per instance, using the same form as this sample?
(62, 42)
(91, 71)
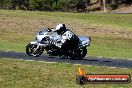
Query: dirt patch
(127, 9)
(28, 26)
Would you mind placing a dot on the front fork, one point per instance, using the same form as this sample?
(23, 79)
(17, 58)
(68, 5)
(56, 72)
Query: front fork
(39, 45)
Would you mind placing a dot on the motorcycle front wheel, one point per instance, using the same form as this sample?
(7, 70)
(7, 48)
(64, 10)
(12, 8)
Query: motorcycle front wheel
(30, 50)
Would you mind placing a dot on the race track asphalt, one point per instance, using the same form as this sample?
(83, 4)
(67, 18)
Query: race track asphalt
(121, 63)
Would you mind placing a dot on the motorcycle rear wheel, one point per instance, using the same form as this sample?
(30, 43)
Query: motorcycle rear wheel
(30, 50)
(78, 54)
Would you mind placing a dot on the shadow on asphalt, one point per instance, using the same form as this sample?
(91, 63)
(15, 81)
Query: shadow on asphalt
(89, 60)
(79, 60)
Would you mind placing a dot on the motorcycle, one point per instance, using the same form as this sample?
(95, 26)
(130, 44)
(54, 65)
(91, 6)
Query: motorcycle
(45, 40)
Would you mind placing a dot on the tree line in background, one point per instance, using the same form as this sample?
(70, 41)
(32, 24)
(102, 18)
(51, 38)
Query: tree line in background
(62, 5)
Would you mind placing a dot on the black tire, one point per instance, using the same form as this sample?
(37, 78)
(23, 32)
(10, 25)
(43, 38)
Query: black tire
(78, 54)
(84, 52)
(75, 56)
(29, 50)
(81, 80)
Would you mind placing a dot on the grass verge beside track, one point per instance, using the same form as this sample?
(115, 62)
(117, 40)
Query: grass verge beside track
(35, 74)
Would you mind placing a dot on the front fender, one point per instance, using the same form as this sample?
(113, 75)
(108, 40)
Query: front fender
(34, 42)
(37, 43)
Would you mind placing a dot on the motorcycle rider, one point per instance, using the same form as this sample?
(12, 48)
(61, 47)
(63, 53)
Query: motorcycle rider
(68, 40)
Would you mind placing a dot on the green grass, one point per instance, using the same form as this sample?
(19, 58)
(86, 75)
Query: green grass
(114, 20)
(33, 74)
(111, 47)
(111, 34)
(9, 46)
